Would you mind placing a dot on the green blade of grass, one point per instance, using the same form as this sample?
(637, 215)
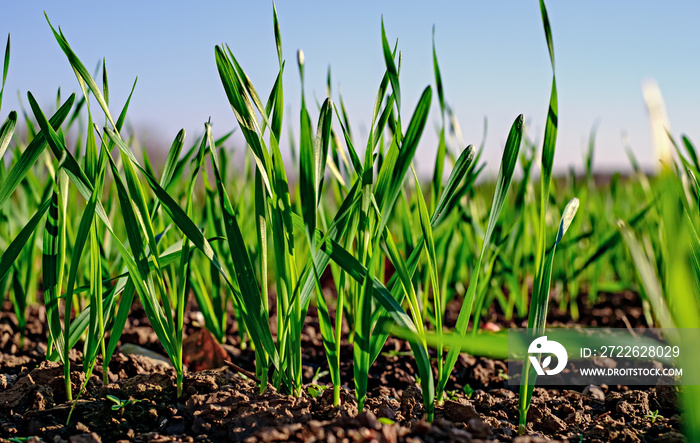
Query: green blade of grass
(261, 214)
(384, 118)
(438, 77)
(251, 96)
(505, 174)
(138, 266)
(429, 245)
(81, 72)
(171, 165)
(122, 285)
(690, 149)
(448, 199)
(278, 34)
(491, 345)
(363, 331)
(380, 293)
(276, 95)
(442, 146)
(391, 71)
(32, 153)
(179, 217)
(5, 68)
(85, 230)
(548, 146)
(542, 268)
(261, 232)
(307, 170)
(547, 32)
(183, 272)
(396, 165)
(252, 299)
(105, 82)
(313, 167)
(276, 99)
(327, 333)
(173, 157)
(404, 277)
(119, 320)
(311, 185)
(146, 225)
(52, 264)
(243, 110)
(320, 259)
(9, 256)
(539, 306)
(72, 169)
(215, 314)
(321, 147)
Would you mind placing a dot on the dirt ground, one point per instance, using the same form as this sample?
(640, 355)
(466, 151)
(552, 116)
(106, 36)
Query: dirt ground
(222, 404)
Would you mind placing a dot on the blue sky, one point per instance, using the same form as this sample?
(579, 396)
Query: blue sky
(492, 55)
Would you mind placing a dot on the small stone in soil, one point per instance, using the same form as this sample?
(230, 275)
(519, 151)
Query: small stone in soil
(594, 392)
(458, 412)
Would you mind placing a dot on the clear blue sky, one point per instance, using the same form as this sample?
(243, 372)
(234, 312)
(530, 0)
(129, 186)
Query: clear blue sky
(492, 55)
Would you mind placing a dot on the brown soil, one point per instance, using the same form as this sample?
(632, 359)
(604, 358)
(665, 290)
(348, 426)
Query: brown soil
(224, 405)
